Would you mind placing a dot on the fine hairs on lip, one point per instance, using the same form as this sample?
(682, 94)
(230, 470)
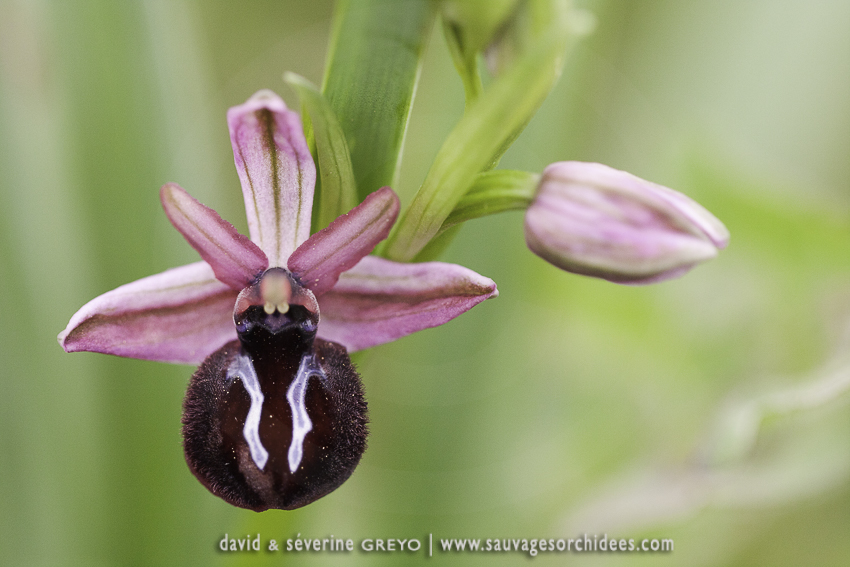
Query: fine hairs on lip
(295, 384)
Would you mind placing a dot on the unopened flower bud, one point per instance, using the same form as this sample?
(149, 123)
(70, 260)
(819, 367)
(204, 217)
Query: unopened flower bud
(476, 21)
(590, 219)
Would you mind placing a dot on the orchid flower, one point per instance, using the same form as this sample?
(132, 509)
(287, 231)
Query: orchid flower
(274, 311)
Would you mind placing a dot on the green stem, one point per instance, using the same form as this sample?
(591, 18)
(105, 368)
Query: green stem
(494, 192)
(479, 139)
(466, 62)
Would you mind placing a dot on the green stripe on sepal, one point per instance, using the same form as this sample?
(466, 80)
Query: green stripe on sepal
(336, 191)
(482, 135)
(373, 66)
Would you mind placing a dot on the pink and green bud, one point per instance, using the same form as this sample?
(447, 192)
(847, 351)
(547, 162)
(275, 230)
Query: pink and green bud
(591, 219)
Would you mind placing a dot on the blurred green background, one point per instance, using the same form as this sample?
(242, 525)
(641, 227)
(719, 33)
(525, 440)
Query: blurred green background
(566, 406)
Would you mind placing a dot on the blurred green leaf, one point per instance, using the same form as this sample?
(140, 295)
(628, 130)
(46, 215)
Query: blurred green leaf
(465, 60)
(738, 428)
(468, 26)
(370, 79)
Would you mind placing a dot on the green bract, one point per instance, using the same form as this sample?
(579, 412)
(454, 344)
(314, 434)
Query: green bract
(336, 190)
(483, 134)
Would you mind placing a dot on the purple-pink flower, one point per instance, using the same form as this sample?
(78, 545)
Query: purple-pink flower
(184, 314)
(594, 220)
(274, 417)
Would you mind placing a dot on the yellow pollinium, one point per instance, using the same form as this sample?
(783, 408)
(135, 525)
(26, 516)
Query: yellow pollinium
(270, 307)
(276, 291)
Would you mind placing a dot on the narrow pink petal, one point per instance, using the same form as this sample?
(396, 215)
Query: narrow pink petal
(277, 173)
(181, 315)
(331, 251)
(379, 301)
(235, 260)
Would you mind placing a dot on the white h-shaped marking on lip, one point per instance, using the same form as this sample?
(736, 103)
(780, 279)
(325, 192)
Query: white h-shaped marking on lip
(243, 368)
(301, 424)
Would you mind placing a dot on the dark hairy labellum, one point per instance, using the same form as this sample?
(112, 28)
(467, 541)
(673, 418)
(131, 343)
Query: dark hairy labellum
(276, 419)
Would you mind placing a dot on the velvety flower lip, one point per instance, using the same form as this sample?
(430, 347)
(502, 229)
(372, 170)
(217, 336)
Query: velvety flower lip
(594, 220)
(184, 314)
